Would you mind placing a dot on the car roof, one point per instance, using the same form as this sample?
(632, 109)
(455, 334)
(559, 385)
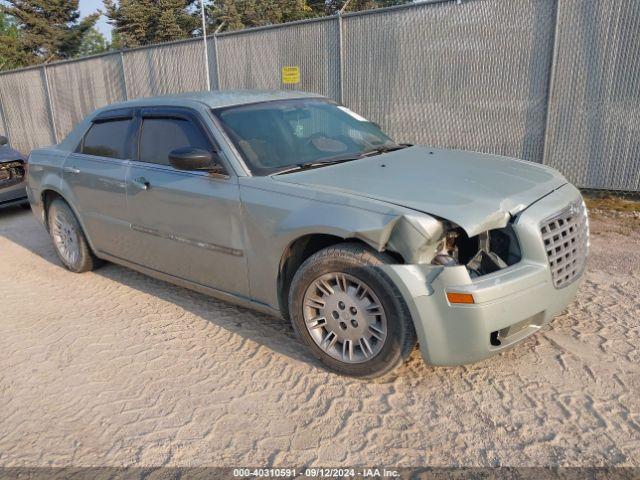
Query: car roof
(215, 99)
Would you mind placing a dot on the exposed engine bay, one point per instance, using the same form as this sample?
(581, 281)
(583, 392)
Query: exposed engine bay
(11, 173)
(423, 239)
(482, 254)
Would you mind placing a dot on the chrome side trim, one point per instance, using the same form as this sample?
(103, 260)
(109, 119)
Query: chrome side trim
(188, 241)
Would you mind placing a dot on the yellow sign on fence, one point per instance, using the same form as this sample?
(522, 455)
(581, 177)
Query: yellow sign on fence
(290, 75)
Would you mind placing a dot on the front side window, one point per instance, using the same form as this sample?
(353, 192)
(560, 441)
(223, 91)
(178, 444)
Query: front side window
(160, 136)
(272, 136)
(108, 139)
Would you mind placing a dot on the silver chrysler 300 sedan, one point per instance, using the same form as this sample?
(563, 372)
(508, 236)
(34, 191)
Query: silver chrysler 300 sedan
(292, 204)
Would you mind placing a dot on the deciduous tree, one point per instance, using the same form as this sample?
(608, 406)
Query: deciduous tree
(11, 55)
(93, 43)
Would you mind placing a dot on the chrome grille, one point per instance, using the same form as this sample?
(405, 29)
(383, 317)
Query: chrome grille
(566, 241)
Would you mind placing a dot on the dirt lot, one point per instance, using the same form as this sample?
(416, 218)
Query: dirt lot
(114, 368)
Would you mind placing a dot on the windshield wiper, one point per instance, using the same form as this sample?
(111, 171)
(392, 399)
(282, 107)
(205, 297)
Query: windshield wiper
(384, 149)
(307, 166)
(339, 159)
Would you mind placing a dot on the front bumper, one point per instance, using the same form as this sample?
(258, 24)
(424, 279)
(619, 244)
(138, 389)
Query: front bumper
(12, 185)
(510, 304)
(13, 194)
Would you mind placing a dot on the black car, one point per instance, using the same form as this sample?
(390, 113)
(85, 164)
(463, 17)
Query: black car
(12, 175)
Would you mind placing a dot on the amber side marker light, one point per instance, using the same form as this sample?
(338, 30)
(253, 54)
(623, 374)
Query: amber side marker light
(459, 297)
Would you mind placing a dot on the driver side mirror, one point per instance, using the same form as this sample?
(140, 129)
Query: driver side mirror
(3, 140)
(189, 158)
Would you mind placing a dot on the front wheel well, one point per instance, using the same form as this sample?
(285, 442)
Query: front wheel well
(297, 252)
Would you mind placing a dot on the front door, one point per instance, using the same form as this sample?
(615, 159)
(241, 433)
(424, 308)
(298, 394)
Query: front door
(184, 223)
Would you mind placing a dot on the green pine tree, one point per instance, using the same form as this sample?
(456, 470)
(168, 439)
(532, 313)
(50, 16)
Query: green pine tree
(238, 14)
(144, 22)
(48, 29)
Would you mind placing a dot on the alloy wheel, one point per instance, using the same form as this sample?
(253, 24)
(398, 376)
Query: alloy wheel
(344, 317)
(65, 238)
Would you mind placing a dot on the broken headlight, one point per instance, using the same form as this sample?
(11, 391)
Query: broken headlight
(482, 254)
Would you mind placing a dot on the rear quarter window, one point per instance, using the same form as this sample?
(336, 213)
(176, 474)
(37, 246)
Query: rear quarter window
(108, 139)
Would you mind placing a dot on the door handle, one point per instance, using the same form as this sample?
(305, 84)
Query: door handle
(73, 170)
(141, 183)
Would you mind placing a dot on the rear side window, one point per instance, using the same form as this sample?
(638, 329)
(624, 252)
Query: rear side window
(160, 136)
(107, 139)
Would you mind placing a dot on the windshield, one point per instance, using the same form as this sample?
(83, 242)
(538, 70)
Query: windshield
(272, 136)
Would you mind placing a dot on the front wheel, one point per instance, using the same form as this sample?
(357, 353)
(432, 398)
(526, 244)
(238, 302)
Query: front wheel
(349, 313)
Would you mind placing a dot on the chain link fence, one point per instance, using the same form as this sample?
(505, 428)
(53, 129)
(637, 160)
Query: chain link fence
(550, 81)
(78, 87)
(164, 69)
(472, 75)
(593, 129)
(254, 58)
(26, 110)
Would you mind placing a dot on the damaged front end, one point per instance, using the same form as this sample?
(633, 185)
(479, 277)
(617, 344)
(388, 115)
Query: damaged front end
(11, 173)
(427, 240)
(482, 254)
(485, 292)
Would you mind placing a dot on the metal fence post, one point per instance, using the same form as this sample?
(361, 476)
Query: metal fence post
(124, 76)
(206, 47)
(3, 119)
(340, 58)
(215, 52)
(47, 92)
(341, 51)
(552, 70)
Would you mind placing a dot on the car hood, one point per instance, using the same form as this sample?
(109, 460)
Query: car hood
(476, 191)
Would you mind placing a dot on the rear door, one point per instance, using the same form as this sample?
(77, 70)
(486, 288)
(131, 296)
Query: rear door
(95, 180)
(184, 223)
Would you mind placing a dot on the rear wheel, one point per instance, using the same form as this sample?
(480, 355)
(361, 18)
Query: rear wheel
(68, 238)
(349, 313)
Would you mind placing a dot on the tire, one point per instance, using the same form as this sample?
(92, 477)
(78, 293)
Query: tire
(68, 238)
(345, 281)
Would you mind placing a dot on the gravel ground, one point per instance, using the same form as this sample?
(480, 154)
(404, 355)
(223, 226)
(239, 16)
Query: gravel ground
(114, 368)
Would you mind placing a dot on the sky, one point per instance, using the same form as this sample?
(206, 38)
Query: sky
(87, 7)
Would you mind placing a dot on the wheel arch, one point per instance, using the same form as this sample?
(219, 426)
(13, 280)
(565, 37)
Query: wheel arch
(299, 250)
(48, 195)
